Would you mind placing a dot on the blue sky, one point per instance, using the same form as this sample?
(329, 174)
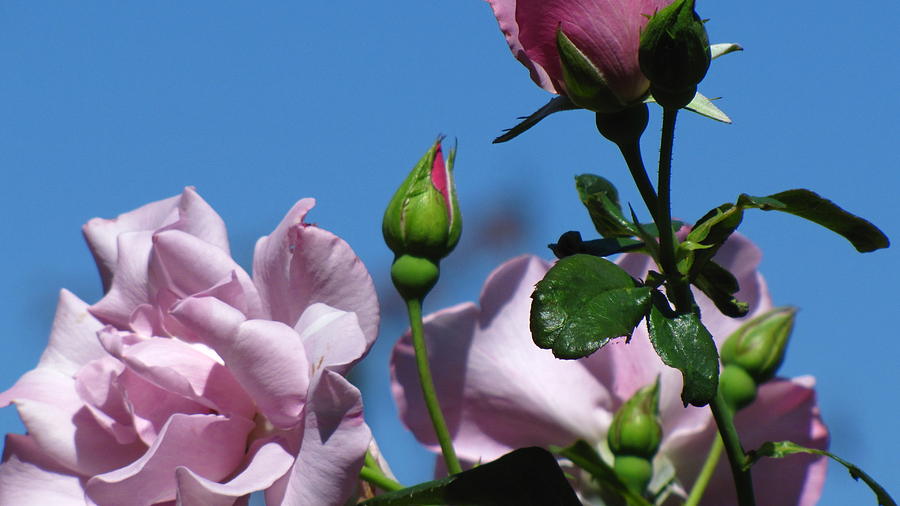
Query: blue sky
(105, 106)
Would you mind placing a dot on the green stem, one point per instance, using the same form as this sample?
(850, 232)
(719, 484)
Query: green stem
(377, 478)
(414, 309)
(709, 466)
(631, 151)
(677, 287)
(679, 291)
(743, 482)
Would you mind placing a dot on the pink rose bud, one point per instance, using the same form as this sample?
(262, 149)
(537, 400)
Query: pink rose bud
(587, 51)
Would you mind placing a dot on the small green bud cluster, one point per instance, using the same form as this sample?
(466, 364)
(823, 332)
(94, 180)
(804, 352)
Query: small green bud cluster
(422, 223)
(753, 354)
(634, 437)
(674, 54)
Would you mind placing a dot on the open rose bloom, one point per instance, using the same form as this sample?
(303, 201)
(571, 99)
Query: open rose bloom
(607, 32)
(192, 381)
(500, 392)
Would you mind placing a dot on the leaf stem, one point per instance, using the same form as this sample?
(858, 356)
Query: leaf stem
(378, 478)
(743, 482)
(709, 466)
(414, 309)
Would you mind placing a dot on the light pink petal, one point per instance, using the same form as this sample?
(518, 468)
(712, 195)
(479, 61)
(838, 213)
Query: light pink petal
(211, 446)
(63, 427)
(181, 369)
(784, 410)
(151, 406)
(28, 477)
(130, 287)
(73, 337)
(269, 462)
(188, 266)
(97, 384)
(332, 337)
(266, 357)
(500, 391)
(187, 212)
(335, 439)
(300, 264)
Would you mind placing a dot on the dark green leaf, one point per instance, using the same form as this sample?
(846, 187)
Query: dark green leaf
(720, 286)
(570, 243)
(584, 456)
(861, 233)
(560, 103)
(601, 199)
(527, 476)
(782, 449)
(682, 342)
(583, 302)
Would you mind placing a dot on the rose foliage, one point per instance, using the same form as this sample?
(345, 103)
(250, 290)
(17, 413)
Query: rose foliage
(500, 392)
(191, 380)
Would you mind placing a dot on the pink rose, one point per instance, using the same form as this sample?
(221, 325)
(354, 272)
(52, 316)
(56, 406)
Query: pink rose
(189, 379)
(606, 32)
(501, 392)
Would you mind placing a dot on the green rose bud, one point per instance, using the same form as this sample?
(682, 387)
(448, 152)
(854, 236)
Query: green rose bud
(737, 387)
(674, 54)
(423, 218)
(759, 345)
(635, 428)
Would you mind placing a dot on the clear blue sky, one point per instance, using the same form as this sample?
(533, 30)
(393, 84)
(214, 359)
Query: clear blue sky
(105, 106)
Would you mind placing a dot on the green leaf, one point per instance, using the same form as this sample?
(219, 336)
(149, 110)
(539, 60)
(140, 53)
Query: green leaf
(527, 476)
(556, 104)
(570, 243)
(861, 233)
(711, 230)
(583, 302)
(720, 286)
(782, 449)
(682, 342)
(601, 199)
(584, 456)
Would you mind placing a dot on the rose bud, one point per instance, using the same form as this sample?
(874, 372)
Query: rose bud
(758, 346)
(422, 222)
(674, 54)
(634, 437)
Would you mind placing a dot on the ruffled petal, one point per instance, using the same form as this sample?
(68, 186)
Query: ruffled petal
(333, 448)
(211, 446)
(28, 477)
(63, 427)
(73, 337)
(505, 12)
(332, 338)
(269, 462)
(301, 264)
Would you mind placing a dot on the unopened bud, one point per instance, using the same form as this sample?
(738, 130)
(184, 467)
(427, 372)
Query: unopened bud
(635, 428)
(759, 345)
(674, 54)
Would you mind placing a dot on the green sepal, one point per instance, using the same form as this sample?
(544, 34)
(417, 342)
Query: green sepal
(585, 84)
(780, 449)
(570, 243)
(862, 234)
(584, 456)
(601, 199)
(723, 48)
(682, 342)
(527, 476)
(583, 302)
(702, 106)
(556, 104)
